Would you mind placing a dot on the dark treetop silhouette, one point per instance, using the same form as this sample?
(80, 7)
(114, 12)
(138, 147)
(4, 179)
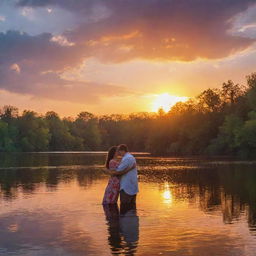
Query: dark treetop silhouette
(218, 121)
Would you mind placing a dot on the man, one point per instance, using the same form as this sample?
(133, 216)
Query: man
(129, 181)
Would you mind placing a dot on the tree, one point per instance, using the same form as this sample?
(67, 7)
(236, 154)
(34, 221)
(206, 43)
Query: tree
(210, 100)
(8, 113)
(61, 137)
(251, 94)
(6, 142)
(34, 133)
(87, 128)
(226, 142)
(231, 92)
(246, 137)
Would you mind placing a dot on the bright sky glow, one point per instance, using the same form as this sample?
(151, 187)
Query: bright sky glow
(166, 101)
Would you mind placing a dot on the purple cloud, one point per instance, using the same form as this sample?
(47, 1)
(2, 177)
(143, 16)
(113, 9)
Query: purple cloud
(117, 31)
(151, 29)
(34, 65)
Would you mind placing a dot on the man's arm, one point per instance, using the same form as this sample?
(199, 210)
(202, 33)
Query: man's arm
(126, 163)
(125, 166)
(120, 173)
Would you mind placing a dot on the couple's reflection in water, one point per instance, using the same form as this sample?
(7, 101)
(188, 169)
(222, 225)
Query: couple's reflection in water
(123, 228)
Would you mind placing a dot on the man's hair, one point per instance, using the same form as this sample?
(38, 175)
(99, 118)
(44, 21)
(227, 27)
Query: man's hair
(123, 147)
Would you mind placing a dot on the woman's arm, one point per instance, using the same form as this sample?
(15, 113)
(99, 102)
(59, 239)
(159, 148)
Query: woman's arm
(116, 173)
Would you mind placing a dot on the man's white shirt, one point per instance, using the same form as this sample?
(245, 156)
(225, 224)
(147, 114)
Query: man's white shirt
(129, 181)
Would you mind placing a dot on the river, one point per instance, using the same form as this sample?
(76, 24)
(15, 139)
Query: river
(50, 204)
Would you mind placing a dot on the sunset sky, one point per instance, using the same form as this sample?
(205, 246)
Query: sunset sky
(118, 56)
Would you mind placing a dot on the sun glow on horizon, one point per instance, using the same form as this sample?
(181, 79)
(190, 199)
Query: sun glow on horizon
(165, 101)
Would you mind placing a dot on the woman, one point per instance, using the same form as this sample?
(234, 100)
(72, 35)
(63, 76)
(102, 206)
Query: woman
(113, 187)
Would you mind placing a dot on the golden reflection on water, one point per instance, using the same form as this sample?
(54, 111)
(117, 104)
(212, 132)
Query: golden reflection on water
(60, 213)
(167, 194)
(72, 218)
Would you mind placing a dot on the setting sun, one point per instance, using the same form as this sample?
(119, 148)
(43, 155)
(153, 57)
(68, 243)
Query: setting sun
(166, 101)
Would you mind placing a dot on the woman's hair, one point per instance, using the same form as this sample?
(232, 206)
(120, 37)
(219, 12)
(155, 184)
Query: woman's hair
(110, 156)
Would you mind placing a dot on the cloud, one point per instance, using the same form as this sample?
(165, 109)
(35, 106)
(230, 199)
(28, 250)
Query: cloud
(245, 24)
(52, 86)
(114, 31)
(37, 51)
(34, 65)
(15, 67)
(150, 29)
(62, 40)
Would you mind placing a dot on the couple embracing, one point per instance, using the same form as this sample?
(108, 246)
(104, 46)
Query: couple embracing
(123, 176)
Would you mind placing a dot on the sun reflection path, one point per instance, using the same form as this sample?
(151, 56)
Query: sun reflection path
(167, 195)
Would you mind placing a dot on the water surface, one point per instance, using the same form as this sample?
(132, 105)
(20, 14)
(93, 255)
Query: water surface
(50, 204)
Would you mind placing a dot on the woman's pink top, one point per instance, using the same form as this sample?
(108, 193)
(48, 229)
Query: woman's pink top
(113, 164)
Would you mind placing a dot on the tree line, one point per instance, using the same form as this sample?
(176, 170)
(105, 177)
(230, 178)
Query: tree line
(216, 122)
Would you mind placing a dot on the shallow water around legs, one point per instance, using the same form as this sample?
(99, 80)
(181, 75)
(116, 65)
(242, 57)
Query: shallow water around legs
(50, 204)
